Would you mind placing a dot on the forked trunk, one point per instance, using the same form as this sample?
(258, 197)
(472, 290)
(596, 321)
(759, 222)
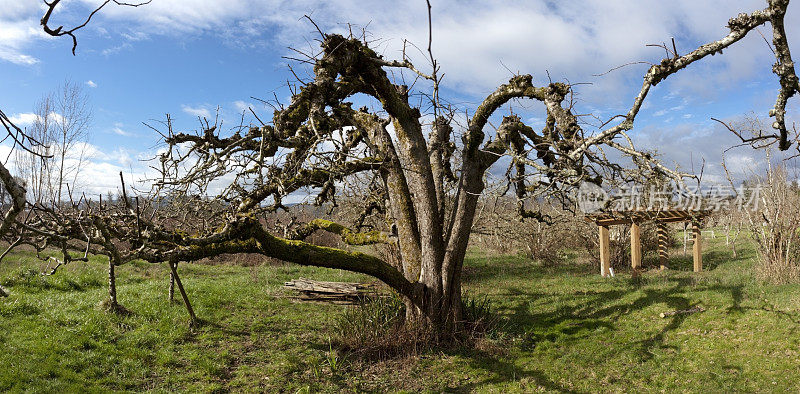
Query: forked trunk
(436, 309)
(443, 319)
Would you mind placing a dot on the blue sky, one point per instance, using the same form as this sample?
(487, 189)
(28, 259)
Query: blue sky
(188, 57)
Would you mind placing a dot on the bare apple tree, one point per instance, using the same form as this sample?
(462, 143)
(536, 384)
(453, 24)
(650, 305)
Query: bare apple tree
(319, 141)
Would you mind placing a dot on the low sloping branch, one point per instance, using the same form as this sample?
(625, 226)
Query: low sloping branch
(348, 236)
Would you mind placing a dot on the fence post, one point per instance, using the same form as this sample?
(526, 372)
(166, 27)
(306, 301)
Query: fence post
(663, 254)
(636, 246)
(697, 248)
(605, 254)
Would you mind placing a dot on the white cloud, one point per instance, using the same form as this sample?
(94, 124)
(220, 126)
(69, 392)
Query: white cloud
(85, 150)
(570, 39)
(200, 111)
(56, 117)
(101, 175)
(91, 84)
(475, 42)
(19, 28)
(99, 172)
(241, 106)
(116, 49)
(118, 130)
(17, 58)
(23, 119)
(29, 118)
(136, 36)
(741, 163)
(123, 157)
(706, 142)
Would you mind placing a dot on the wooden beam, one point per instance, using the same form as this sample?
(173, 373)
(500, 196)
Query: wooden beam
(605, 253)
(636, 246)
(697, 248)
(626, 217)
(673, 219)
(611, 222)
(615, 221)
(663, 254)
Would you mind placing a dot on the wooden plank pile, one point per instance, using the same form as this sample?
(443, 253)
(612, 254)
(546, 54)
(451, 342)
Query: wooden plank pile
(335, 292)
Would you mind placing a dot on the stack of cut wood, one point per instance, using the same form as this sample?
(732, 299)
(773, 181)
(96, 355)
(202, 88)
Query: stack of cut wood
(335, 292)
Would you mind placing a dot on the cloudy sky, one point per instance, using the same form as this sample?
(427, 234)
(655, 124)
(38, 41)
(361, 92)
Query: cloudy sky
(189, 58)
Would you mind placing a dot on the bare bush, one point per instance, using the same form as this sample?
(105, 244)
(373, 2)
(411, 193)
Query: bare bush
(500, 230)
(775, 227)
(732, 222)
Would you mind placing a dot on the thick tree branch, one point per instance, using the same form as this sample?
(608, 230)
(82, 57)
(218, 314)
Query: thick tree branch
(348, 236)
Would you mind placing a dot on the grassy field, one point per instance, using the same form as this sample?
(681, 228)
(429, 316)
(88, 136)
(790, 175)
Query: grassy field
(562, 328)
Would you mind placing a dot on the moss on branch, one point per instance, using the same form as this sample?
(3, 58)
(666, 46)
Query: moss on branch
(247, 235)
(348, 236)
(303, 253)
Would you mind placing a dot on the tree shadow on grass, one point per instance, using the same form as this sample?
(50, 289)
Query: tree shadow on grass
(577, 316)
(582, 314)
(736, 292)
(506, 372)
(32, 281)
(599, 309)
(711, 260)
(477, 270)
(736, 308)
(596, 311)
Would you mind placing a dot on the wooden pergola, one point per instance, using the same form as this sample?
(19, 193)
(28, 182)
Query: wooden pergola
(635, 218)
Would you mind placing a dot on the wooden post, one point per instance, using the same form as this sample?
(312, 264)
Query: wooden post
(636, 247)
(662, 245)
(605, 253)
(685, 237)
(112, 286)
(697, 248)
(171, 283)
(174, 268)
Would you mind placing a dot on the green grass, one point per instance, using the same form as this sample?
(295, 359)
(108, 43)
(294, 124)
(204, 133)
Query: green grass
(562, 328)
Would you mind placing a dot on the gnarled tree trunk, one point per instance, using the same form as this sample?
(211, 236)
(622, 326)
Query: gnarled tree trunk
(319, 140)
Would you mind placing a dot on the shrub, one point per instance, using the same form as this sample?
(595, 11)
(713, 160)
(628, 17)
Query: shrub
(775, 226)
(375, 329)
(481, 320)
(499, 229)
